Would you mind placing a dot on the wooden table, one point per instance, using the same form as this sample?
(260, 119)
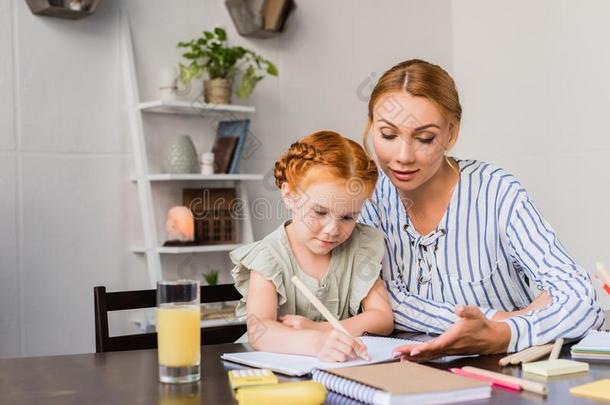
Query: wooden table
(131, 378)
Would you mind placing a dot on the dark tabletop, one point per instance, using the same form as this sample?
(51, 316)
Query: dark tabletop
(131, 378)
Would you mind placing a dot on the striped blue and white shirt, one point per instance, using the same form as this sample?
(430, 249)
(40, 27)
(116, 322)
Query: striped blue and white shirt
(490, 245)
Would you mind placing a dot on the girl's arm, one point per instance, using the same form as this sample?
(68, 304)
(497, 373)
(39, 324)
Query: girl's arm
(266, 333)
(376, 316)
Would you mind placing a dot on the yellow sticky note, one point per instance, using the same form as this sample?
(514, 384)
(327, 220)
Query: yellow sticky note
(550, 368)
(596, 390)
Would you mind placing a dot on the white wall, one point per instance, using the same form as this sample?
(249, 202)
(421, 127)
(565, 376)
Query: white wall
(533, 79)
(68, 213)
(63, 161)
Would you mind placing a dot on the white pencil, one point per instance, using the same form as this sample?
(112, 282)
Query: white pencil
(603, 273)
(556, 349)
(323, 310)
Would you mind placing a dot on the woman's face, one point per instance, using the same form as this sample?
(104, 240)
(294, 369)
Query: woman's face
(410, 137)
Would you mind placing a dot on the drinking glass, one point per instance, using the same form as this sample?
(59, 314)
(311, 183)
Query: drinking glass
(178, 331)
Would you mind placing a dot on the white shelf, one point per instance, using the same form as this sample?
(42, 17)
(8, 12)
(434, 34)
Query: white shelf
(176, 250)
(201, 177)
(151, 322)
(192, 107)
(146, 182)
(208, 323)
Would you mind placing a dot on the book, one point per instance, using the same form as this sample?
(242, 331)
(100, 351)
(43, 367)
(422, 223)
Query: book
(549, 368)
(239, 129)
(272, 14)
(599, 389)
(401, 383)
(594, 346)
(224, 149)
(379, 349)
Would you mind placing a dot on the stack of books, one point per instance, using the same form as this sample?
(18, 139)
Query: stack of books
(595, 346)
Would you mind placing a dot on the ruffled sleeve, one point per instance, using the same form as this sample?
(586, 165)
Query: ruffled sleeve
(258, 257)
(367, 265)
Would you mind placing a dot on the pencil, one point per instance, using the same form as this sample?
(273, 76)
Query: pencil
(536, 353)
(603, 276)
(556, 349)
(526, 355)
(323, 310)
(531, 386)
(603, 273)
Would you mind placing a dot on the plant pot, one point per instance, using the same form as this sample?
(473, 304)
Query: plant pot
(217, 91)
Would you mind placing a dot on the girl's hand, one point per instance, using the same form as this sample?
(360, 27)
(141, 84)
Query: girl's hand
(335, 346)
(541, 301)
(472, 333)
(299, 322)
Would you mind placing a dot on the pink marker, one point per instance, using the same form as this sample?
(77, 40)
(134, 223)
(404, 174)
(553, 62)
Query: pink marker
(494, 382)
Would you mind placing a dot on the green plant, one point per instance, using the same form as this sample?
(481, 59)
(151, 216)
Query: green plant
(211, 277)
(210, 53)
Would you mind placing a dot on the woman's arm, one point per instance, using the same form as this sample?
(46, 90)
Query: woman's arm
(413, 313)
(266, 333)
(573, 310)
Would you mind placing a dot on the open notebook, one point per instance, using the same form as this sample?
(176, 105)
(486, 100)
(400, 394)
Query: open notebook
(380, 349)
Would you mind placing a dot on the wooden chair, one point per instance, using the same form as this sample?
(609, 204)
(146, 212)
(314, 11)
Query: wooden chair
(124, 300)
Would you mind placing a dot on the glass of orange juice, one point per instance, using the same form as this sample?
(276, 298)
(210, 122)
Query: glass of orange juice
(178, 331)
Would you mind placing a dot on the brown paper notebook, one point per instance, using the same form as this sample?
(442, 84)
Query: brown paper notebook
(402, 382)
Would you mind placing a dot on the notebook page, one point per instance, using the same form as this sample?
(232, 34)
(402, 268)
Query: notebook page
(379, 349)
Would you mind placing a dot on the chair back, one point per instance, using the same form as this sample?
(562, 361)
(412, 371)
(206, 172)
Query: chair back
(105, 302)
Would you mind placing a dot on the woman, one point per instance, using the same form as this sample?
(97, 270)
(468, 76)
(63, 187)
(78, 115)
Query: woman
(464, 241)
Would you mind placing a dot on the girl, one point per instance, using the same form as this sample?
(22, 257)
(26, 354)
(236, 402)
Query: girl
(324, 180)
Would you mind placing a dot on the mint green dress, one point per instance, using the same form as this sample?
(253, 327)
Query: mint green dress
(354, 267)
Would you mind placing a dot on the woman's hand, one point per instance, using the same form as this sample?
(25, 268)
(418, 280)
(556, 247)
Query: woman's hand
(300, 322)
(472, 333)
(541, 301)
(336, 346)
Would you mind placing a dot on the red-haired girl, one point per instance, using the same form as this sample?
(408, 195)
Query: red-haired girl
(324, 180)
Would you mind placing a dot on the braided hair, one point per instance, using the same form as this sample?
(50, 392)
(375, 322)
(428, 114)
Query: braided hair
(340, 156)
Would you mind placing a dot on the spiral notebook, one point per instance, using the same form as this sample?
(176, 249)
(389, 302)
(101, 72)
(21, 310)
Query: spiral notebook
(379, 349)
(401, 383)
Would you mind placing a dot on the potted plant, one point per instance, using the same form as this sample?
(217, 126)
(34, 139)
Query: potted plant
(211, 278)
(211, 54)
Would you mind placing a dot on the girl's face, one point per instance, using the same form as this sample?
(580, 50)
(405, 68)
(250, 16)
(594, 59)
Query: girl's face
(410, 137)
(324, 213)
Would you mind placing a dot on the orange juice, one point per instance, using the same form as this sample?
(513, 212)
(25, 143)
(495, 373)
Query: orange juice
(178, 335)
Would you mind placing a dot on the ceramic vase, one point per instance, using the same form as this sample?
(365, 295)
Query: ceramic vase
(179, 156)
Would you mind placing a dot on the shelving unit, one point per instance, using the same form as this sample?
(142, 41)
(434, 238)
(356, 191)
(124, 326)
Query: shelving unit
(192, 108)
(200, 177)
(144, 179)
(43, 7)
(189, 249)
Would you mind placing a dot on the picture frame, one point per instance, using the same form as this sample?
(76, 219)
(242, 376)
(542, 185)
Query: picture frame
(238, 128)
